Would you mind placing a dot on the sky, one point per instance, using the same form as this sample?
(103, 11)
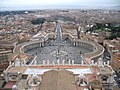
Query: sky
(14, 4)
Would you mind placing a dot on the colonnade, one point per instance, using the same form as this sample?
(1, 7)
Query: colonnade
(35, 44)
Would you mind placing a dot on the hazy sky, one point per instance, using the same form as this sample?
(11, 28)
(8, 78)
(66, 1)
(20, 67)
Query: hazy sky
(56, 3)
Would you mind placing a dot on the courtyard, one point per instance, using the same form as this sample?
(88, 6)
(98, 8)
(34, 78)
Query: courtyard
(67, 52)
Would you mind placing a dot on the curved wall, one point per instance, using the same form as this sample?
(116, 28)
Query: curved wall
(97, 50)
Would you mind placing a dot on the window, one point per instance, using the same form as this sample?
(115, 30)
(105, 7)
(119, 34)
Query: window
(104, 79)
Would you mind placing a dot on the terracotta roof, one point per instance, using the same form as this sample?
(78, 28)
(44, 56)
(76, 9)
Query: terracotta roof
(90, 77)
(105, 70)
(9, 84)
(14, 56)
(116, 60)
(16, 69)
(116, 55)
(88, 60)
(95, 84)
(58, 80)
(21, 56)
(95, 69)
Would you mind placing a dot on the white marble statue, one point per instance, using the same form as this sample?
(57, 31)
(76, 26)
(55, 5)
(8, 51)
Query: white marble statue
(82, 62)
(92, 62)
(108, 62)
(35, 62)
(58, 61)
(63, 61)
(69, 62)
(44, 62)
(10, 64)
(53, 63)
(48, 62)
(100, 62)
(73, 61)
(104, 63)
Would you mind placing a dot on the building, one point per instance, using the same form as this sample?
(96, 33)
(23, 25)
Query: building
(114, 46)
(87, 75)
(67, 77)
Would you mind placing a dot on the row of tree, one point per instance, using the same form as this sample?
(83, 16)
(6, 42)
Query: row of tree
(38, 21)
(107, 27)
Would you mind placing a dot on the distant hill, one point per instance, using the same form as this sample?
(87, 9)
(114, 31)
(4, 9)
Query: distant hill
(117, 6)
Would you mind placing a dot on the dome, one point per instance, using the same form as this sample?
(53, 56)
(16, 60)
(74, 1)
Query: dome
(34, 80)
(14, 87)
(35, 76)
(81, 80)
(81, 75)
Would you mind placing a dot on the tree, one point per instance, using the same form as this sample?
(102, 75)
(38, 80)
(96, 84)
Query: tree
(38, 21)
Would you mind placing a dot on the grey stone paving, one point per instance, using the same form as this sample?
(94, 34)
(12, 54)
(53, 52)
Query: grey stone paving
(68, 52)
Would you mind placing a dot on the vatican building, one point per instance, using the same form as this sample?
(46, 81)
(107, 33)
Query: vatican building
(58, 60)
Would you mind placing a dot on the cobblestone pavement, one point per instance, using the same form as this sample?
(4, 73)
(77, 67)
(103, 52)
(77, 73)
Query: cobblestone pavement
(67, 52)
